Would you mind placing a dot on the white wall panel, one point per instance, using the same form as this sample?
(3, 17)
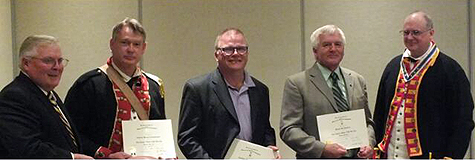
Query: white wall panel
(6, 58)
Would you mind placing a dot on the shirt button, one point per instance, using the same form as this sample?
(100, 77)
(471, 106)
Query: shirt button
(398, 130)
(397, 147)
(397, 139)
(395, 155)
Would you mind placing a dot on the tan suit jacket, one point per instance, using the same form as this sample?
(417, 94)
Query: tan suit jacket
(307, 95)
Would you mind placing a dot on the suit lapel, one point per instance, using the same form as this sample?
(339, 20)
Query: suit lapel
(221, 90)
(316, 78)
(35, 90)
(254, 106)
(349, 86)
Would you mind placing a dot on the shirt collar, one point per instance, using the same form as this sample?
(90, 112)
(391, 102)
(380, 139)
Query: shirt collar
(407, 53)
(326, 72)
(124, 76)
(247, 81)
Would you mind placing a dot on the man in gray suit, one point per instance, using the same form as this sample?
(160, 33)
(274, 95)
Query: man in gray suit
(324, 88)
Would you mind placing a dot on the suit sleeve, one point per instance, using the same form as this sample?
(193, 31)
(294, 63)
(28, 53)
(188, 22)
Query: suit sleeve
(461, 113)
(269, 132)
(369, 120)
(291, 123)
(79, 102)
(21, 129)
(189, 124)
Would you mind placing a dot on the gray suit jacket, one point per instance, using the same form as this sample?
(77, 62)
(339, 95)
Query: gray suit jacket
(307, 95)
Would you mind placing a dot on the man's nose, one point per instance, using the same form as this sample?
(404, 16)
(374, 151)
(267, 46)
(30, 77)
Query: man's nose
(130, 47)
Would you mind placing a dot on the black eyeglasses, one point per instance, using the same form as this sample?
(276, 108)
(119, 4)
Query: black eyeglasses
(230, 50)
(51, 61)
(413, 32)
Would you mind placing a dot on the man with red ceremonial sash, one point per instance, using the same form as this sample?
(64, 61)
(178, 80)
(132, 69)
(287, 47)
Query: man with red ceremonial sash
(424, 104)
(98, 105)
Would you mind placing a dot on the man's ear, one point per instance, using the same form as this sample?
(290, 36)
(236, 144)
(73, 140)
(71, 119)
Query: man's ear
(216, 55)
(24, 63)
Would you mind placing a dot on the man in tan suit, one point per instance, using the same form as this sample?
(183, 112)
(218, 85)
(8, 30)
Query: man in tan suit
(324, 88)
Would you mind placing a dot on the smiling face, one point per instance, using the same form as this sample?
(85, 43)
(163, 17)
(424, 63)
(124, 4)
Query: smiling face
(127, 48)
(330, 50)
(47, 76)
(417, 44)
(235, 61)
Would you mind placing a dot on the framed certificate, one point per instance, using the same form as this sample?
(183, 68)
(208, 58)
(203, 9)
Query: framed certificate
(345, 128)
(149, 138)
(241, 149)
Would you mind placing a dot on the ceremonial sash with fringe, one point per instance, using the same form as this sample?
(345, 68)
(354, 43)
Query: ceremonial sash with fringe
(124, 108)
(406, 92)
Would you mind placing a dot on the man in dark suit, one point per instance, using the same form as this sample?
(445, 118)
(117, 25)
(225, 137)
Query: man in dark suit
(225, 104)
(98, 106)
(33, 121)
(323, 89)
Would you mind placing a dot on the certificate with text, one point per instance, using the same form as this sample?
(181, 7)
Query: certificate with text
(241, 149)
(149, 138)
(345, 128)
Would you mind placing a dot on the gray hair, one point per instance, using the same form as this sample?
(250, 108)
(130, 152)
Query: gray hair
(427, 18)
(132, 24)
(327, 29)
(223, 32)
(29, 45)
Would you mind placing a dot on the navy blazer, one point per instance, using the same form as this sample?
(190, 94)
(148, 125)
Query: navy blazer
(29, 125)
(208, 122)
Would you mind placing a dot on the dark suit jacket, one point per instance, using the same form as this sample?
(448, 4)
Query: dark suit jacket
(208, 122)
(29, 125)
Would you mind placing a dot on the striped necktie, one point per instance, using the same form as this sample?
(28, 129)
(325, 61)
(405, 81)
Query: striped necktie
(66, 124)
(338, 94)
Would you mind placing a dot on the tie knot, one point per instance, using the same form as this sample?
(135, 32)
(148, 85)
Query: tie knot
(51, 98)
(334, 76)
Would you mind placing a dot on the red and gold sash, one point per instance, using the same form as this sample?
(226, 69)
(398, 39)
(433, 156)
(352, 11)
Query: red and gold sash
(124, 110)
(406, 92)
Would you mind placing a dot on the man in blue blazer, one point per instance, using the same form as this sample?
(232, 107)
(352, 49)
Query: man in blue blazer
(33, 122)
(225, 104)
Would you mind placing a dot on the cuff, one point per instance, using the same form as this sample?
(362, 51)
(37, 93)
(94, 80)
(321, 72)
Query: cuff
(102, 152)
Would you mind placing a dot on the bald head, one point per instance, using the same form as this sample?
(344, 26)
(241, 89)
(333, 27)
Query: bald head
(421, 17)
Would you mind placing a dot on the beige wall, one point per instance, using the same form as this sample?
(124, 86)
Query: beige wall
(83, 28)
(181, 36)
(6, 61)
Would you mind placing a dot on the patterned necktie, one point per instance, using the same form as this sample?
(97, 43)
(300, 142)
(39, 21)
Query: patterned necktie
(66, 124)
(338, 94)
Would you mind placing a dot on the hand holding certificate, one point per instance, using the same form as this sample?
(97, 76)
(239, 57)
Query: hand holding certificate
(246, 150)
(149, 138)
(345, 128)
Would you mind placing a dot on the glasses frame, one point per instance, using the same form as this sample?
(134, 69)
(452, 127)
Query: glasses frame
(414, 33)
(235, 50)
(51, 61)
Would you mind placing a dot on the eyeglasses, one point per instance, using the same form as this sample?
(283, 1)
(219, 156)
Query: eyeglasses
(230, 50)
(414, 33)
(52, 62)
